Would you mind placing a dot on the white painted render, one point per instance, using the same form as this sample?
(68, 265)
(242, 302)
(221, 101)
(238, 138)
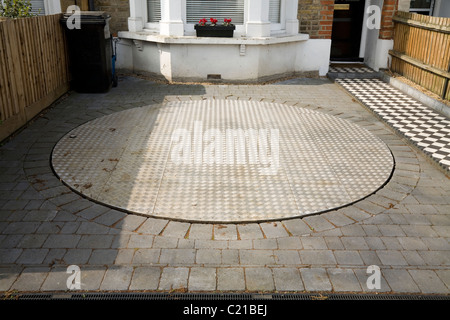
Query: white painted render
(257, 51)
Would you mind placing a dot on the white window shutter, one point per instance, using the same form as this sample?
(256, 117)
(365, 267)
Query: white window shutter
(154, 10)
(218, 9)
(274, 11)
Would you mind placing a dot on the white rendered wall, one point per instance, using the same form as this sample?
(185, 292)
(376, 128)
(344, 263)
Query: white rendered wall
(313, 55)
(376, 54)
(233, 62)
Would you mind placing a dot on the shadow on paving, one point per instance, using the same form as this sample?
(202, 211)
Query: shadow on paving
(45, 227)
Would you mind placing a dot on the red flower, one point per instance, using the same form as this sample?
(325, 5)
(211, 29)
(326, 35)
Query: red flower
(213, 21)
(202, 22)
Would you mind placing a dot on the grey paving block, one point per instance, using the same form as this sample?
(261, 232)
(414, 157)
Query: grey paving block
(7, 276)
(286, 257)
(318, 223)
(92, 277)
(201, 231)
(145, 278)
(186, 243)
(124, 256)
(297, 227)
(413, 258)
(210, 244)
(256, 257)
(8, 256)
(140, 241)
(348, 258)
(419, 231)
(274, 230)
(103, 256)
(57, 280)
(130, 222)
(61, 241)
(311, 243)
(202, 279)
(177, 256)
(117, 278)
(249, 231)
(87, 227)
(444, 275)
(317, 257)
(77, 256)
(176, 229)
(287, 279)
(230, 257)
(152, 226)
(391, 230)
(146, 256)
(355, 213)
(435, 243)
(32, 241)
(354, 230)
(95, 241)
(259, 279)
(225, 232)
(230, 279)
(208, 256)
(165, 242)
(354, 243)
(289, 243)
(338, 218)
(410, 243)
(40, 215)
(21, 227)
(333, 243)
(70, 227)
(93, 211)
(265, 244)
(315, 279)
(436, 257)
(391, 257)
(31, 279)
(32, 256)
(174, 278)
(428, 281)
(343, 280)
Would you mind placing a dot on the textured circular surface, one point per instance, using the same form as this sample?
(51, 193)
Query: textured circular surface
(222, 161)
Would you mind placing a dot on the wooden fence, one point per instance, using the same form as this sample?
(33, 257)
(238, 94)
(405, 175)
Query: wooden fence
(33, 68)
(421, 51)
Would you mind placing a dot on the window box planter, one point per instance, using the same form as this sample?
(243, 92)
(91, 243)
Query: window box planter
(215, 31)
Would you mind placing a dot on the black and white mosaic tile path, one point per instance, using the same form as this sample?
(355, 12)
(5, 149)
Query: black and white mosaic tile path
(425, 127)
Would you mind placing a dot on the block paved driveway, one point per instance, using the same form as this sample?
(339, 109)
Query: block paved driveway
(44, 226)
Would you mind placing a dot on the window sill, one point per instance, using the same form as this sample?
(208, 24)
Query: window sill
(152, 36)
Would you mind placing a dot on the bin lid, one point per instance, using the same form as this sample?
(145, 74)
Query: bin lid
(89, 17)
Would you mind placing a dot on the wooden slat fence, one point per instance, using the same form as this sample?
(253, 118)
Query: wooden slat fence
(421, 51)
(33, 68)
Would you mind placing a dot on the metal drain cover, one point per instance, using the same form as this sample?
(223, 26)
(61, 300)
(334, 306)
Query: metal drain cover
(222, 161)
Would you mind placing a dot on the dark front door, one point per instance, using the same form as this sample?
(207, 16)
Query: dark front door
(347, 27)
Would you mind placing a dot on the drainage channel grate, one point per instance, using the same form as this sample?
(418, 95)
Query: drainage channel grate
(218, 296)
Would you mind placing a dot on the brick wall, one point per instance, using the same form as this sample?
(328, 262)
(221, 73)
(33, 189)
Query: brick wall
(387, 13)
(316, 18)
(118, 9)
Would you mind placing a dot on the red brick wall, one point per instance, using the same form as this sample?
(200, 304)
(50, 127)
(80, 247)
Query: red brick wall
(387, 13)
(118, 9)
(316, 18)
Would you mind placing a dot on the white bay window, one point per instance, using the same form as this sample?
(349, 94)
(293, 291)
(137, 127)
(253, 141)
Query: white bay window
(253, 18)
